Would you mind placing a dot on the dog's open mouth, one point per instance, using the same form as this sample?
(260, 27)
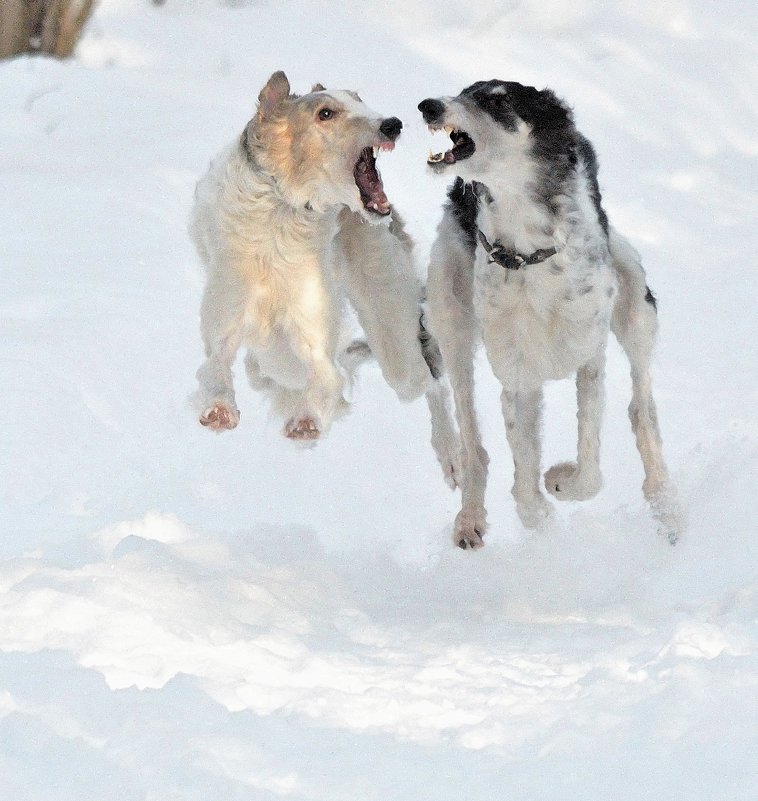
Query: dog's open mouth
(463, 147)
(369, 182)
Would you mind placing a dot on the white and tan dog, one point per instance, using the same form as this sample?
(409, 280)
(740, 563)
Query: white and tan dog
(291, 222)
(524, 258)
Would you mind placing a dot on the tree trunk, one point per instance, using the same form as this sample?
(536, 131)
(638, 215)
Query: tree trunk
(42, 26)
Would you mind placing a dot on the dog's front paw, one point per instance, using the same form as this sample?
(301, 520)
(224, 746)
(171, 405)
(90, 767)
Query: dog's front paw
(220, 417)
(567, 483)
(303, 429)
(469, 529)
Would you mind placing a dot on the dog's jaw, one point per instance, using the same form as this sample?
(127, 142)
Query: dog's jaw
(463, 148)
(442, 115)
(369, 182)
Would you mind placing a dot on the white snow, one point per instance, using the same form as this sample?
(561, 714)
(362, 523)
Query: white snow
(190, 617)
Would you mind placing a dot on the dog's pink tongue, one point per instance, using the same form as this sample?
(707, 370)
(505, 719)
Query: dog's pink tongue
(378, 197)
(370, 184)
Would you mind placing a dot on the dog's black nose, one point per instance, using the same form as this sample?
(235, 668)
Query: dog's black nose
(391, 128)
(431, 109)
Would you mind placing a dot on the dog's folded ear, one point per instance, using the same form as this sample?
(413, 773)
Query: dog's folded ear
(272, 94)
(317, 87)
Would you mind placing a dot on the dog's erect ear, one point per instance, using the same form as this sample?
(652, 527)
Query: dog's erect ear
(540, 108)
(317, 87)
(272, 94)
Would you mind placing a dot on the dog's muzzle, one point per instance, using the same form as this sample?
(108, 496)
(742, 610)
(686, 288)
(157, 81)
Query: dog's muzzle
(432, 110)
(391, 128)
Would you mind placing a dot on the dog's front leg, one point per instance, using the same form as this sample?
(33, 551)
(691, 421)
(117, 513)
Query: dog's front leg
(375, 266)
(221, 328)
(581, 480)
(522, 412)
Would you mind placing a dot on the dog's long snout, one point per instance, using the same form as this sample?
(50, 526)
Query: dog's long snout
(391, 128)
(432, 109)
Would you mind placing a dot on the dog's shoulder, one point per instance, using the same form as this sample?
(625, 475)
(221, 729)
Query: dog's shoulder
(588, 159)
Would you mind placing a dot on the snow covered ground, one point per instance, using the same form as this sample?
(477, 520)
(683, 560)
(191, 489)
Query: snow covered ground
(186, 617)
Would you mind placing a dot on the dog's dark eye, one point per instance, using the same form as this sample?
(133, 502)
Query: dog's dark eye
(325, 114)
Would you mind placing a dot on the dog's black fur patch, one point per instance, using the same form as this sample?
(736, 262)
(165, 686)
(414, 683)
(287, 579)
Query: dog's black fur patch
(464, 203)
(587, 153)
(498, 106)
(556, 143)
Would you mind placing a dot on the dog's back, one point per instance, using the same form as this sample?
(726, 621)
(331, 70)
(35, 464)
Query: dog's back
(204, 219)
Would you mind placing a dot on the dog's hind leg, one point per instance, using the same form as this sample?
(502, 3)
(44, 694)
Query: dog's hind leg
(635, 323)
(581, 480)
(221, 328)
(453, 322)
(522, 412)
(312, 336)
(444, 437)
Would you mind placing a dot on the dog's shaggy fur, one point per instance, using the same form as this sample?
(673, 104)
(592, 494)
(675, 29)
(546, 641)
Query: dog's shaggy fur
(525, 257)
(291, 221)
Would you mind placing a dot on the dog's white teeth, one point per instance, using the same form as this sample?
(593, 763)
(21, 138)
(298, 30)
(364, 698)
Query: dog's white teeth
(376, 151)
(448, 129)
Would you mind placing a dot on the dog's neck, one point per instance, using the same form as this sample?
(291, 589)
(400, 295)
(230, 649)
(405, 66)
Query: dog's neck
(509, 210)
(262, 176)
(258, 196)
(510, 216)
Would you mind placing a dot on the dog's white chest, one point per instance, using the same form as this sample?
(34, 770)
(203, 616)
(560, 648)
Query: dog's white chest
(542, 321)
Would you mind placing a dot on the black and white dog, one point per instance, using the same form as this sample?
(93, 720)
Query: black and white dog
(524, 257)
